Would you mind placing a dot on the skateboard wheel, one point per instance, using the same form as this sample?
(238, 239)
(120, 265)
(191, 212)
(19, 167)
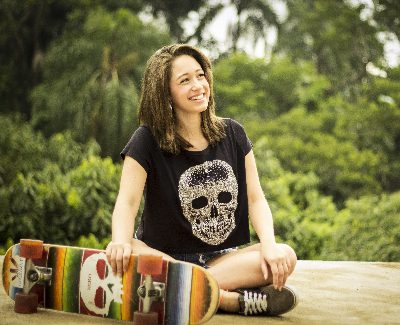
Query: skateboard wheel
(145, 318)
(150, 264)
(30, 248)
(26, 303)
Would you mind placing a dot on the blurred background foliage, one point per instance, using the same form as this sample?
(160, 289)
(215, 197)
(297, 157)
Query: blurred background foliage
(320, 104)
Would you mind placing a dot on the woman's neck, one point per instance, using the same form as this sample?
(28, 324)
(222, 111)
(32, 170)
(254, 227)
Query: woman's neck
(189, 127)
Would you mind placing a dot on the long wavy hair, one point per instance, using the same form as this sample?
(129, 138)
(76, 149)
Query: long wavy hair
(155, 111)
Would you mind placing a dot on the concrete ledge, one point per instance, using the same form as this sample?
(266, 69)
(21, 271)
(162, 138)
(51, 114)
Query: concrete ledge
(330, 293)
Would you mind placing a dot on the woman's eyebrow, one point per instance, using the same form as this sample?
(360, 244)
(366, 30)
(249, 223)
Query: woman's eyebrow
(186, 73)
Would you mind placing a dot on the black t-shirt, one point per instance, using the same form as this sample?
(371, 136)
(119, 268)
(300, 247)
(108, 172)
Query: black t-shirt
(196, 201)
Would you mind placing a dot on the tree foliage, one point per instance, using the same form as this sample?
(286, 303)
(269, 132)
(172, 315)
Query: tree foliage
(28, 29)
(322, 112)
(174, 14)
(71, 194)
(252, 88)
(253, 20)
(368, 230)
(386, 13)
(334, 37)
(91, 79)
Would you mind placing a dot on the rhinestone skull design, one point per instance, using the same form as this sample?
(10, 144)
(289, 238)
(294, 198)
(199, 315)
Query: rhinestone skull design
(208, 193)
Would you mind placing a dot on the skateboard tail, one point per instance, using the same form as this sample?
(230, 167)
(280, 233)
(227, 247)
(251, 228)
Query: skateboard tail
(204, 288)
(192, 296)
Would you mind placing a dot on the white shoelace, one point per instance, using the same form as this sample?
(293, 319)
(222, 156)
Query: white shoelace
(255, 303)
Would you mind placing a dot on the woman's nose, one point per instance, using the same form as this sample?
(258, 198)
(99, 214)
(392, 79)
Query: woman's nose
(196, 84)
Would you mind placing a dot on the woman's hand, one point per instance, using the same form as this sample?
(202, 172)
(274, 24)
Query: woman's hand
(278, 260)
(118, 255)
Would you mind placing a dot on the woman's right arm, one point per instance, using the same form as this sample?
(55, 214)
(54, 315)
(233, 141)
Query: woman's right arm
(133, 180)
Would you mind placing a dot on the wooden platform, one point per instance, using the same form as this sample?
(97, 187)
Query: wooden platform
(330, 293)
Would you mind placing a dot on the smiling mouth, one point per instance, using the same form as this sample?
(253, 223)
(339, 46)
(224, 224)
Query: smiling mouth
(199, 97)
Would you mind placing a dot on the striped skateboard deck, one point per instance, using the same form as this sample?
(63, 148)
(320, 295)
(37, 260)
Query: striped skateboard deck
(82, 282)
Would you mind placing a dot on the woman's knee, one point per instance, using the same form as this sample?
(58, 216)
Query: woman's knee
(292, 256)
(137, 246)
(141, 248)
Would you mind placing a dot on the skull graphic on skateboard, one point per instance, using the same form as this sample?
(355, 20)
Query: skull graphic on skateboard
(153, 291)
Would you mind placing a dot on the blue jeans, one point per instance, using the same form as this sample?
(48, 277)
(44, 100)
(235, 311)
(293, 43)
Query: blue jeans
(201, 259)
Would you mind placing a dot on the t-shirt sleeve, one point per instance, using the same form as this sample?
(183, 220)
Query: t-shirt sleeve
(241, 137)
(139, 147)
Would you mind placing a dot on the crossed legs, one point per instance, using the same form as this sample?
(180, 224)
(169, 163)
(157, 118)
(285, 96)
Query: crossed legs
(238, 269)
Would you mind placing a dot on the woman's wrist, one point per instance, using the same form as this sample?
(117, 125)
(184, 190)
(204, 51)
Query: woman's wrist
(268, 240)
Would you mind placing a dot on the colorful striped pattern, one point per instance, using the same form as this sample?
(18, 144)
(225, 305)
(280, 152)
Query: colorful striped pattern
(192, 295)
(54, 292)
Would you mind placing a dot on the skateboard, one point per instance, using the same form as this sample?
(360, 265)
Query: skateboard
(77, 280)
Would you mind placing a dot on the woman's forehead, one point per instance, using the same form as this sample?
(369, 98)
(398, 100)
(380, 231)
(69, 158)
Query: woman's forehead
(184, 64)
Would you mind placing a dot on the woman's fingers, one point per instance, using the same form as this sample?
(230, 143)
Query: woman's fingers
(119, 260)
(275, 274)
(281, 275)
(286, 269)
(113, 261)
(264, 269)
(126, 256)
(118, 256)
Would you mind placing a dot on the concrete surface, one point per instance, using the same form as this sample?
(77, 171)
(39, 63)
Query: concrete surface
(330, 293)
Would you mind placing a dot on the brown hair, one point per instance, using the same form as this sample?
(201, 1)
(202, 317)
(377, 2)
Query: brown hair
(155, 111)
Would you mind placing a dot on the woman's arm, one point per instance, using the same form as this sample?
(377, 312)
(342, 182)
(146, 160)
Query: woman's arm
(261, 219)
(132, 183)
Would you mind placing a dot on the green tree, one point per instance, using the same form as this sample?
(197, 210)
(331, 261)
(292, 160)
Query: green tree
(28, 151)
(304, 143)
(333, 36)
(250, 88)
(386, 13)
(39, 179)
(253, 20)
(174, 14)
(91, 79)
(60, 207)
(302, 216)
(374, 126)
(368, 230)
(28, 28)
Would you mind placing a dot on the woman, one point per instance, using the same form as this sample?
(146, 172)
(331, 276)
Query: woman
(200, 181)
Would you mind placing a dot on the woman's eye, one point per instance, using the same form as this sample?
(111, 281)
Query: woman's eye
(184, 80)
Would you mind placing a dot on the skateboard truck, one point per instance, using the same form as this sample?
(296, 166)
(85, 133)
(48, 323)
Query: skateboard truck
(150, 291)
(26, 302)
(36, 275)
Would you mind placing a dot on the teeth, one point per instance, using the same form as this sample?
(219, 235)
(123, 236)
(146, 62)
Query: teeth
(197, 97)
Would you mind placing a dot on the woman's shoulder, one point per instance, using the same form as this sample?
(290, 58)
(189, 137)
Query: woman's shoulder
(142, 138)
(236, 132)
(143, 133)
(232, 125)
(143, 130)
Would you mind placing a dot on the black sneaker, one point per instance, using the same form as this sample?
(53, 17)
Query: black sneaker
(266, 301)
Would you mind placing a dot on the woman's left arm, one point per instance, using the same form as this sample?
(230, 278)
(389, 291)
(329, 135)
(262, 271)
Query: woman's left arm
(261, 218)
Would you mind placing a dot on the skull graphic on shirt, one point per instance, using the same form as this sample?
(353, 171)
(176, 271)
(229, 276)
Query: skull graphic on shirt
(208, 193)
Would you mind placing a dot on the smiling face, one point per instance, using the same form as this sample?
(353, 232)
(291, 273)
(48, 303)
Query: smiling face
(189, 87)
